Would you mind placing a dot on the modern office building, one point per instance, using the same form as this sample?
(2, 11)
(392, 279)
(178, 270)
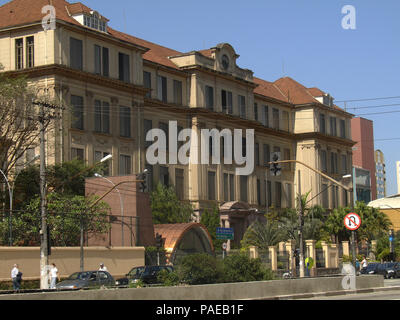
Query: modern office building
(117, 87)
(380, 174)
(362, 131)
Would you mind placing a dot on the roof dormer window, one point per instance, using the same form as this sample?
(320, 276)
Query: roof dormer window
(94, 21)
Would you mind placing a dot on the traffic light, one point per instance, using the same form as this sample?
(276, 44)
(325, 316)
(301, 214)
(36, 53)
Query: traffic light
(159, 241)
(296, 253)
(143, 181)
(276, 167)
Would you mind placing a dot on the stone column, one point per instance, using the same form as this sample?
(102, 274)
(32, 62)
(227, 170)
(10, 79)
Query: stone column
(334, 256)
(373, 245)
(281, 246)
(346, 248)
(273, 257)
(310, 245)
(253, 252)
(290, 246)
(325, 248)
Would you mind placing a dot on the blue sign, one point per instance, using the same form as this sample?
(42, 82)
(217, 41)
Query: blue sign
(391, 238)
(225, 234)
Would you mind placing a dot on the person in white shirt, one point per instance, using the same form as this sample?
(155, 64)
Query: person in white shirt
(53, 275)
(14, 274)
(102, 267)
(364, 263)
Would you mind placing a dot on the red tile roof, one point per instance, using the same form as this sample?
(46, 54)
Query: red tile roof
(268, 89)
(316, 92)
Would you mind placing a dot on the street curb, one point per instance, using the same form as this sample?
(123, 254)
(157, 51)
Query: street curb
(329, 293)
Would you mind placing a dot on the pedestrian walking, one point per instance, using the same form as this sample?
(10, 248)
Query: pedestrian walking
(15, 278)
(103, 267)
(364, 264)
(54, 276)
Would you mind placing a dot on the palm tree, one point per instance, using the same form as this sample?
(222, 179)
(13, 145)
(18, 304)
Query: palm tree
(262, 235)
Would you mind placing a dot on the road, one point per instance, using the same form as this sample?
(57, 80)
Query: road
(383, 295)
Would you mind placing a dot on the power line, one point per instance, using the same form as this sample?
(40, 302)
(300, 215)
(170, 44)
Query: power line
(370, 99)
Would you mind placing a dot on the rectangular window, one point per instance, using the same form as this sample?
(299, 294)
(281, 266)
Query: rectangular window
(322, 124)
(149, 178)
(163, 126)
(211, 185)
(255, 111)
(19, 54)
(258, 192)
(147, 126)
(164, 176)
(101, 117)
(275, 118)
(344, 164)
(124, 67)
(226, 187)
(325, 196)
(334, 163)
(125, 165)
(179, 183)
(98, 155)
(101, 61)
(77, 153)
(333, 126)
(178, 92)
(209, 97)
(76, 54)
(288, 195)
(77, 112)
(243, 188)
(147, 82)
(285, 120)
(343, 129)
(323, 161)
(125, 122)
(286, 156)
(162, 89)
(335, 200)
(242, 106)
(269, 194)
(232, 187)
(265, 116)
(267, 154)
(278, 194)
(30, 52)
(257, 154)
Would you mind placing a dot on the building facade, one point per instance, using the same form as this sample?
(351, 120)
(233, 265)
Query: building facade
(380, 174)
(115, 88)
(364, 158)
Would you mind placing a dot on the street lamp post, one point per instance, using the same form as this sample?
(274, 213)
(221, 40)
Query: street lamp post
(121, 204)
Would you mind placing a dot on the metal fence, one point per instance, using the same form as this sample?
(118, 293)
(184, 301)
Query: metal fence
(320, 258)
(283, 260)
(265, 257)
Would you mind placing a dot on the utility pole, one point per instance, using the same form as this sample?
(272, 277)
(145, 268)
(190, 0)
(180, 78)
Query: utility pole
(353, 233)
(301, 264)
(44, 232)
(44, 258)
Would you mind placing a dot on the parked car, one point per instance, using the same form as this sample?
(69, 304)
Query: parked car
(148, 275)
(388, 270)
(371, 268)
(87, 279)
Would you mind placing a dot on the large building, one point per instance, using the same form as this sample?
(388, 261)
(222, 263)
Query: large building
(117, 87)
(362, 131)
(380, 174)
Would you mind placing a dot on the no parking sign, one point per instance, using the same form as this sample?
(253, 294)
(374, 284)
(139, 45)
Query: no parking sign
(352, 221)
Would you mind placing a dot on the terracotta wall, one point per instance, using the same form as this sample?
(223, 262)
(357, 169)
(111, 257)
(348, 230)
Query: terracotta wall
(118, 260)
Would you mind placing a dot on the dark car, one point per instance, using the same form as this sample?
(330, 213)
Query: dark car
(87, 279)
(388, 270)
(148, 275)
(371, 268)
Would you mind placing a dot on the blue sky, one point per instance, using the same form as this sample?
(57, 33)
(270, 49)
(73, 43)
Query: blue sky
(303, 39)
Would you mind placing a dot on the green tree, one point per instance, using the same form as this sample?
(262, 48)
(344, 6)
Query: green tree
(211, 220)
(167, 208)
(65, 215)
(374, 224)
(263, 235)
(334, 225)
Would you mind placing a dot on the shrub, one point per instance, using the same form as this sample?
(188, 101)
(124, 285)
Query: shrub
(168, 279)
(240, 268)
(199, 269)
